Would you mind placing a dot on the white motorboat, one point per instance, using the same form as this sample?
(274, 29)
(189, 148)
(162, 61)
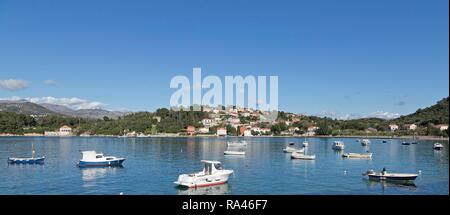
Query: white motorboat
(338, 145)
(212, 174)
(357, 155)
(290, 149)
(234, 152)
(92, 158)
(237, 144)
(302, 155)
(365, 142)
(438, 146)
(383, 175)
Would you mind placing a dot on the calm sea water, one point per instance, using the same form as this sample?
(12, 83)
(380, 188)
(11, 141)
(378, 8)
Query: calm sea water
(153, 164)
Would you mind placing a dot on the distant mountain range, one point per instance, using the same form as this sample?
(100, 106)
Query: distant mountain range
(29, 108)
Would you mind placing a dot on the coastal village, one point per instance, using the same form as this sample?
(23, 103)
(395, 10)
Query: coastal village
(243, 121)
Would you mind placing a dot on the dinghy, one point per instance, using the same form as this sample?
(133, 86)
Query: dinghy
(438, 146)
(212, 174)
(406, 143)
(357, 155)
(383, 175)
(32, 160)
(92, 158)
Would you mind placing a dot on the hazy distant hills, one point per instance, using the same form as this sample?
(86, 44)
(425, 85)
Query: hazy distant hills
(24, 107)
(29, 108)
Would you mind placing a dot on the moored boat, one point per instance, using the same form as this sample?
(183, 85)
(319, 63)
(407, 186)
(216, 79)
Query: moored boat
(301, 155)
(383, 175)
(357, 155)
(338, 145)
(31, 160)
(92, 158)
(237, 144)
(234, 152)
(438, 146)
(365, 142)
(290, 149)
(212, 174)
(406, 143)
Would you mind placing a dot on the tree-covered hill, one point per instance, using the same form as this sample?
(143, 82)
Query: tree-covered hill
(436, 114)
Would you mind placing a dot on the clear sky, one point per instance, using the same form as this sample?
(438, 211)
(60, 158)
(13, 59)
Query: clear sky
(338, 58)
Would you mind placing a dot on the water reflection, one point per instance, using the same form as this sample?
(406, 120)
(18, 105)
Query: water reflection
(390, 184)
(221, 189)
(92, 173)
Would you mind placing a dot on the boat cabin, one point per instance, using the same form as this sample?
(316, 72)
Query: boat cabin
(211, 167)
(91, 155)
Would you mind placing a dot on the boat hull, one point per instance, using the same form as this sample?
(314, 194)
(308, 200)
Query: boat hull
(189, 181)
(117, 162)
(233, 153)
(392, 178)
(39, 160)
(354, 155)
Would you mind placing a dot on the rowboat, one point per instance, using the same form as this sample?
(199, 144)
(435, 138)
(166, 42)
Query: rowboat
(212, 174)
(32, 160)
(357, 155)
(390, 176)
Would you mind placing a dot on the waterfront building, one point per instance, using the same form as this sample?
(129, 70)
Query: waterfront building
(442, 127)
(411, 127)
(221, 131)
(65, 131)
(190, 130)
(393, 127)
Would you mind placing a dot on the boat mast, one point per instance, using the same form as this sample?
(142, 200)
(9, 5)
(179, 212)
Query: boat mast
(33, 152)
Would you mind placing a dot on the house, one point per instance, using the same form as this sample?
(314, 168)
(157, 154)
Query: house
(221, 131)
(158, 118)
(207, 122)
(65, 131)
(242, 130)
(393, 127)
(233, 120)
(265, 131)
(442, 127)
(248, 133)
(203, 130)
(293, 129)
(410, 127)
(190, 130)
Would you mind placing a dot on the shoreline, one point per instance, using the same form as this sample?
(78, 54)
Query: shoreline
(214, 136)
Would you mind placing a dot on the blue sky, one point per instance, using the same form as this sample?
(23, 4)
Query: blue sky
(341, 58)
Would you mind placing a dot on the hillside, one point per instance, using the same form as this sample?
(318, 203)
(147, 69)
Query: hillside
(24, 107)
(83, 113)
(436, 114)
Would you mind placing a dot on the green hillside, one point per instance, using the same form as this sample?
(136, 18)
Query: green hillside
(436, 114)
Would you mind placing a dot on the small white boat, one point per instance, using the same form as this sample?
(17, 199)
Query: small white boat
(301, 155)
(357, 155)
(92, 158)
(290, 149)
(232, 152)
(338, 145)
(383, 175)
(365, 142)
(438, 146)
(237, 144)
(212, 174)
